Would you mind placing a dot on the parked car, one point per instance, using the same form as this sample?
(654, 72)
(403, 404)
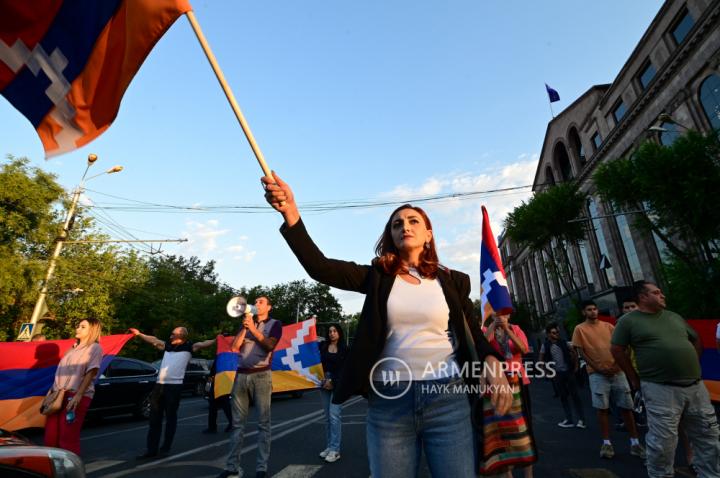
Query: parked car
(20, 458)
(196, 375)
(124, 387)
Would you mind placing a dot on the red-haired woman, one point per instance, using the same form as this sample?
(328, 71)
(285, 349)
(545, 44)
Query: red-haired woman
(410, 344)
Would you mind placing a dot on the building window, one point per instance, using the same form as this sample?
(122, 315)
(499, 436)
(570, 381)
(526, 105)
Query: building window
(670, 134)
(596, 141)
(646, 75)
(629, 246)
(619, 111)
(600, 238)
(576, 145)
(586, 262)
(562, 161)
(549, 176)
(710, 99)
(682, 26)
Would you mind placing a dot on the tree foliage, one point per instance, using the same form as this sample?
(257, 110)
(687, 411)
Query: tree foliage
(547, 224)
(675, 188)
(120, 287)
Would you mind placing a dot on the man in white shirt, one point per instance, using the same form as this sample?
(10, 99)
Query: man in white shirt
(165, 397)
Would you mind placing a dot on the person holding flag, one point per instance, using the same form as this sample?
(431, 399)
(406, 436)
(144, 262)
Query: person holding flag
(75, 378)
(416, 312)
(509, 440)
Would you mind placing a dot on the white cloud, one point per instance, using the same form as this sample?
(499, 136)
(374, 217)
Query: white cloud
(457, 222)
(202, 236)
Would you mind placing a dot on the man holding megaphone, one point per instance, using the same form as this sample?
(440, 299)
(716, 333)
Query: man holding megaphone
(254, 343)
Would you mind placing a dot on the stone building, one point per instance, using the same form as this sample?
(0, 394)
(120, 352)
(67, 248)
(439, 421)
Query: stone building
(670, 82)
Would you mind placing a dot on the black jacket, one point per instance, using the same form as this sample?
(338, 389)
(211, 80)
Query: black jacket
(372, 329)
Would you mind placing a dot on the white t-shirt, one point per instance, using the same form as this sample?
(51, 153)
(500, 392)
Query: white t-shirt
(418, 332)
(174, 363)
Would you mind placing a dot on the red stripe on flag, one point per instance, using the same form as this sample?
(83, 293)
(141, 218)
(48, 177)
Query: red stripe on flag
(27, 21)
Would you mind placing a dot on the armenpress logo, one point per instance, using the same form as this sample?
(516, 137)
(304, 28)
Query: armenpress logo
(390, 374)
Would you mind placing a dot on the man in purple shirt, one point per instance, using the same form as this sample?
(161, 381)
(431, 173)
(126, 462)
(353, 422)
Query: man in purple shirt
(254, 343)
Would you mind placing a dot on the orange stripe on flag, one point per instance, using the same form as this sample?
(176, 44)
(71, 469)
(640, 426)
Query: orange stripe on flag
(118, 54)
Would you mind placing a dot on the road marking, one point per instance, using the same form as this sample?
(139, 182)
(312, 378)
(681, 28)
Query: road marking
(308, 419)
(91, 437)
(298, 471)
(99, 465)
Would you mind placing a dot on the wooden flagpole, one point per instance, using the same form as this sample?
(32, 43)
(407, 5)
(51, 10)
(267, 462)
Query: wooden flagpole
(228, 92)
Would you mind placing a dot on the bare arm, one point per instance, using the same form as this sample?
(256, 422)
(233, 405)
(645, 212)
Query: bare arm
(154, 341)
(238, 340)
(490, 331)
(516, 340)
(620, 354)
(203, 345)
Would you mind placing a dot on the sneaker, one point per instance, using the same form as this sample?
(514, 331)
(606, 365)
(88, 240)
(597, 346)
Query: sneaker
(332, 457)
(638, 451)
(607, 451)
(324, 453)
(229, 474)
(566, 424)
(580, 424)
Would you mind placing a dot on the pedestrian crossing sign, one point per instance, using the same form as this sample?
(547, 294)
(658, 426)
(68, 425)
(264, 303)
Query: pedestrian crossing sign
(26, 331)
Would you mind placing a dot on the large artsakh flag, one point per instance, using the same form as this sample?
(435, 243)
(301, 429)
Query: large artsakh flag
(295, 363)
(494, 293)
(65, 64)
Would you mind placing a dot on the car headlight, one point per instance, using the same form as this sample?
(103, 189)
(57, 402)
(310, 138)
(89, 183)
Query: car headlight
(67, 464)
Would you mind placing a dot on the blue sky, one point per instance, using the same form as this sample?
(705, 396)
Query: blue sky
(370, 100)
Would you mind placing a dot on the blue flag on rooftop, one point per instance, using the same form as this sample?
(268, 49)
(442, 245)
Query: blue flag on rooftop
(553, 95)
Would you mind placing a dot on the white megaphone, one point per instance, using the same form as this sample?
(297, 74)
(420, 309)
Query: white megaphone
(238, 306)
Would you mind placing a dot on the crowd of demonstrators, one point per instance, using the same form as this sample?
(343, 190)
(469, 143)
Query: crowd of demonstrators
(254, 344)
(510, 341)
(165, 396)
(75, 375)
(667, 352)
(332, 354)
(412, 310)
(565, 365)
(607, 381)
(215, 403)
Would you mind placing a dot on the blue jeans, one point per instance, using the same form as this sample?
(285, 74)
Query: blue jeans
(433, 419)
(333, 421)
(259, 387)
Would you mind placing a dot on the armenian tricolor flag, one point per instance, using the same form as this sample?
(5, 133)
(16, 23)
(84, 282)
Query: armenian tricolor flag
(710, 358)
(494, 293)
(295, 366)
(65, 64)
(27, 371)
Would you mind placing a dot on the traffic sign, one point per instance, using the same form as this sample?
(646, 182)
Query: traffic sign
(26, 331)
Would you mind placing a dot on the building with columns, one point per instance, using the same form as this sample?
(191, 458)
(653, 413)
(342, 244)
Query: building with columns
(670, 82)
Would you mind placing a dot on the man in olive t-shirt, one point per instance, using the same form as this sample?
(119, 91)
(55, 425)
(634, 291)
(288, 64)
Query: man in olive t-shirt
(667, 351)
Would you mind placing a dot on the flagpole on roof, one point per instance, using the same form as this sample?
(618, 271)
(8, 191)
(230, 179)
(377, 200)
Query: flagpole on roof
(552, 113)
(228, 92)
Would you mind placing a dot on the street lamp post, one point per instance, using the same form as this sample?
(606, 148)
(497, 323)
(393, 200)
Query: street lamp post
(40, 304)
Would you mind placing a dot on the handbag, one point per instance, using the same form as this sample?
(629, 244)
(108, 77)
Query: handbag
(53, 402)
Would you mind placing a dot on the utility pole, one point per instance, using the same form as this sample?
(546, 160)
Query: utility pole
(40, 304)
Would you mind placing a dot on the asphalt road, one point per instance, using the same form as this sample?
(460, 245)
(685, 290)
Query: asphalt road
(110, 445)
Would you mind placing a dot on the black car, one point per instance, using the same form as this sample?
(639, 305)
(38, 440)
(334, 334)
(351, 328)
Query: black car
(124, 387)
(196, 375)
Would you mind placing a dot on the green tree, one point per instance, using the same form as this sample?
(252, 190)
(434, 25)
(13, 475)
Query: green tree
(675, 189)
(546, 224)
(29, 222)
(683, 213)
